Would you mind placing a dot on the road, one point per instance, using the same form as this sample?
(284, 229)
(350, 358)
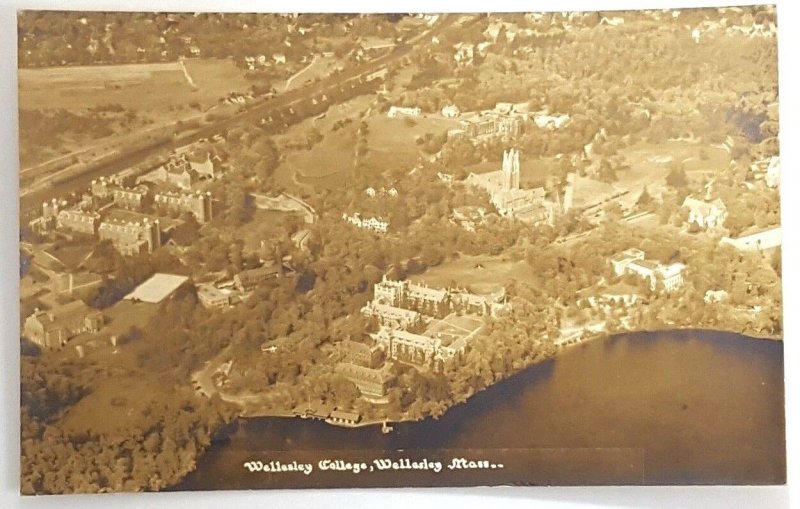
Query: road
(30, 203)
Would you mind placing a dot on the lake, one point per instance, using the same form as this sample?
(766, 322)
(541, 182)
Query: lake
(675, 407)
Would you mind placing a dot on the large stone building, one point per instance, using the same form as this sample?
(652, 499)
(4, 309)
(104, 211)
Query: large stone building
(52, 329)
(182, 171)
(135, 198)
(417, 349)
(510, 200)
(131, 237)
(131, 198)
(427, 300)
(391, 315)
(488, 124)
(661, 277)
(371, 382)
(198, 204)
(78, 221)
(362, 354)
(409, 295)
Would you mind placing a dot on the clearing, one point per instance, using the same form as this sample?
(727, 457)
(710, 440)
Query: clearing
(481, 274)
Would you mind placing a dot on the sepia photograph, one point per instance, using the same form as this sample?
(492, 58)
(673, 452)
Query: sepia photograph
(362, 250)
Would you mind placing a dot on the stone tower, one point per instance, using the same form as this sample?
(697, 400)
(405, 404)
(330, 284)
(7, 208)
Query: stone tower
(510, 169)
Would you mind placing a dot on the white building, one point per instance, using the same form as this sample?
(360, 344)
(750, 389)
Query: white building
(758, 241)
(464, 53)
(706, 213)
(713, 296)
(632, 261)
(620, 261)
(397, 111)
(671, 276)
(451, 111)
(551, 122)
(372, 224)
(773, 175)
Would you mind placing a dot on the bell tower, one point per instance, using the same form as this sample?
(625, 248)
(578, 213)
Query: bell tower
(510, 169)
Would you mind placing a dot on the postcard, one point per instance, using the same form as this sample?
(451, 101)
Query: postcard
(267, 250)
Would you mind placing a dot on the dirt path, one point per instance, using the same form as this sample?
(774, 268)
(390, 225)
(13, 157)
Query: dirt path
(188, 77)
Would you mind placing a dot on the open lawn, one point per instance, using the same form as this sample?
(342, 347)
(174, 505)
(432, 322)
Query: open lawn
(329, 159)
(71, 256)
(479, 274)
(309, 167)
(453, 327)
(318, 69)
(649, 165)
(148, 88)
(116, 408)
(392, 141)
(159, 93)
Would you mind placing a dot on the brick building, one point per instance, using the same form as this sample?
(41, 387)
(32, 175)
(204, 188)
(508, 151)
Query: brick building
(131, 237)
(52, 329)
(198, 204)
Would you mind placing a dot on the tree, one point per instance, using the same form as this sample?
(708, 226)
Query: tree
(645, 201)
(677, 176)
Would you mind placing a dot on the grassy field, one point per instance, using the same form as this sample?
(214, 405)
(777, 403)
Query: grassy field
(114, 409)
(649, 164)
(158, 93)
(453, 327)
(320, 68)
(332, 156)
(149, 88)
(391, 145)
(71, 256)
(392, 141)
(304, 164)
(479, 274)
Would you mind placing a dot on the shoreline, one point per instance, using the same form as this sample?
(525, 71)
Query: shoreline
(256, 414)
(224, 432)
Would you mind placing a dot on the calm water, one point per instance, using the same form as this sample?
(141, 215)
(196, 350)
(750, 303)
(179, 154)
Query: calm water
(685, 407)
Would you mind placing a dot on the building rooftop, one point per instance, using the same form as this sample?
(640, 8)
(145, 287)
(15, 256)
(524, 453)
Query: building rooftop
(671, 269)
(702, 206)
(157, 288)
(647, 264)
(375, 375)
(266, 270)
(435, 294)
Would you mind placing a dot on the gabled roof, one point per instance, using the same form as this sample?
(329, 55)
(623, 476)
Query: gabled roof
(647, 264)
(702, 206)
